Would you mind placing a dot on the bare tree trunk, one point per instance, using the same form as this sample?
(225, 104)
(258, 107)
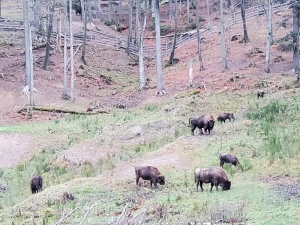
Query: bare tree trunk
(179, 7)
(65, 48)
(37, 14)
(129, 38)
(190, 72)
(98, 9)
(137, 18)
(224, 60)
(171, 59)
(198, 36)
(88, 11)
(160, 84)
(84, 16)
(208, 18)
(143, 80)
(267, 63)
(170, 9)
(49, 31)
(246, 38)
(0, 9)
(188, 10)
(109, 10)
(296, 37)
(120, 10)
(58, 36)
(71, 53)
(28, 54)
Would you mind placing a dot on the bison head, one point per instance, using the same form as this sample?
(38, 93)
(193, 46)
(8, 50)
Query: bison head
(211, 124)
(161, 180)
(226, 185)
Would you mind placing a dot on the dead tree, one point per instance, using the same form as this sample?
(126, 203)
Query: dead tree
(49, 31)
(246, 38)
(28, 54)
(267, 62)
(295, 34)
(160, 84)
(143, 80)
(198, 36)
(171, 59)
(223, 44)
(71, 52)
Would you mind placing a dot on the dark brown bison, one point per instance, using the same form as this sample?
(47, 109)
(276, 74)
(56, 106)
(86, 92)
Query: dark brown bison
(36, 184)
(149, 173)
(228, 158)
(213, 175)
(225, 116)
(260, 94)
(206, 122)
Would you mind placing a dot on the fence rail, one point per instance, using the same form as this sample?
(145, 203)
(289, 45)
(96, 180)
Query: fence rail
(233, 17)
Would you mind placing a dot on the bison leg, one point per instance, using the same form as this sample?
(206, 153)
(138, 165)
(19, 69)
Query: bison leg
(197, 184)
(201, 184)
(154, 182)
(211, 186)
(193, 129)
(137, 180)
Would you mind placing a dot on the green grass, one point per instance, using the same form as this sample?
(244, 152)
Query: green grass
(267, 146)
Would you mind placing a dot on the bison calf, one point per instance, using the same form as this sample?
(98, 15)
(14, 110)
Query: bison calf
(205, 121)
(225, 116)
(260, 94)
(228, 158)
(36, 184)
(213, 175)
(149, 173)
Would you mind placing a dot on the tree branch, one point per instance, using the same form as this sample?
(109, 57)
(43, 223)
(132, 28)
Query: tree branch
(96, 203)
(65, 216)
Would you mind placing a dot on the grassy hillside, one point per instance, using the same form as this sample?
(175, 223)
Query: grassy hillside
(265, 137)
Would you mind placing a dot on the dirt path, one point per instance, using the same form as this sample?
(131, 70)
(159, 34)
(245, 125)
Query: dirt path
(13, 149)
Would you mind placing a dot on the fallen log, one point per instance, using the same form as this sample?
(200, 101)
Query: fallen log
(44, 109)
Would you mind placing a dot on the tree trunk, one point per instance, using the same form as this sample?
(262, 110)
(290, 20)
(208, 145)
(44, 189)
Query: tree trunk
(37, 14)
(191, 71)
(267, 63)
(120, 10)
(88, 11)
(170, 9)
(28, 54)
(246, 38)
(65, 48)
(71, 53)
(109, 10)
(58, 36)
(49, 31)
(160, 85)
(171, 59)
(223, 44)
(98, 9)
(84, 13)
(198, 36)
(296, 38)
(143, 80)
(208, 19)
(0, 9)
(129, 38)
(137, 18)
(188, 10)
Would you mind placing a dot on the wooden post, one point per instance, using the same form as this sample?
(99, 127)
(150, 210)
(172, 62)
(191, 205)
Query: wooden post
(190, 72)
(166, 48)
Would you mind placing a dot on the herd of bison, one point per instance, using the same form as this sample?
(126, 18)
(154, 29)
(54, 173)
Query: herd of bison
(214, 175)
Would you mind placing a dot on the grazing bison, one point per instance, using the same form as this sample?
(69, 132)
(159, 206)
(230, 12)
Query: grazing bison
(260, 94)
(225, 116)
(214, 175)
(228, 158)
(206, 122)
(36, 184)
(149, 173)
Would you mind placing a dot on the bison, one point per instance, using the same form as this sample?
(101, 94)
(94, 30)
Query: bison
(225, 116)
(36, 184)
(228, 158)
(149, 173)
(260, 94)
(214, 175)
(206, 122)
